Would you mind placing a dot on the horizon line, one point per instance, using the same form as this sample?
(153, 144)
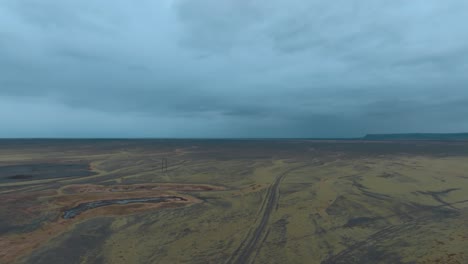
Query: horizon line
(232, 138)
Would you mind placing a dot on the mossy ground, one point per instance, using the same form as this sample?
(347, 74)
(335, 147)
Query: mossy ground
(284, 202)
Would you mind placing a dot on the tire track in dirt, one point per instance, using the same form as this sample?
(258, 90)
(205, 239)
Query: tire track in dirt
(383, 234)
(251, 244)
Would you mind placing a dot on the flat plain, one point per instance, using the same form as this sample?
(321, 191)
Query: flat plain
(233, 201)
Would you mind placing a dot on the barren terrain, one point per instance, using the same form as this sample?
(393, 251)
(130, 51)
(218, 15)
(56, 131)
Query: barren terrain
(233, 201)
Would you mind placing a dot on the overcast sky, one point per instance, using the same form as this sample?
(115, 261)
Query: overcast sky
(232, 68)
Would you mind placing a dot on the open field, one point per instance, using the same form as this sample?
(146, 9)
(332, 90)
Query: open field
(233, 201)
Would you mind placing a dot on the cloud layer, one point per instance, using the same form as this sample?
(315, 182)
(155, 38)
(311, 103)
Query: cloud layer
(232, 68)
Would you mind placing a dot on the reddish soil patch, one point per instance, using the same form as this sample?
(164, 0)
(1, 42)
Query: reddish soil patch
(15, 246)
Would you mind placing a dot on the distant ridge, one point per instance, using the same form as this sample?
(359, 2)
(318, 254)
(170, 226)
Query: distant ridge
(418, 136)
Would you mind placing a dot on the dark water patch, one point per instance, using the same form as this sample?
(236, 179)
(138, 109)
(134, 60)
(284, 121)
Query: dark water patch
(41, 171)
(71, 213)
(20, 177)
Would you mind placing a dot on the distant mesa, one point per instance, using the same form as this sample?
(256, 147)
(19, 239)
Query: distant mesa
(419, 136)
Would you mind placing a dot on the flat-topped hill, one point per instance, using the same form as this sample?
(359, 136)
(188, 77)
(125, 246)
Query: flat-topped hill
(418, 136)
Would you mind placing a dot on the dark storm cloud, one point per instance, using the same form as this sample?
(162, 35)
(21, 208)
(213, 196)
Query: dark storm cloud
(232, 68)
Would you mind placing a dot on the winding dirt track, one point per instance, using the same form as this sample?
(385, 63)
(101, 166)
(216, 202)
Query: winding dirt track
(251, 244)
